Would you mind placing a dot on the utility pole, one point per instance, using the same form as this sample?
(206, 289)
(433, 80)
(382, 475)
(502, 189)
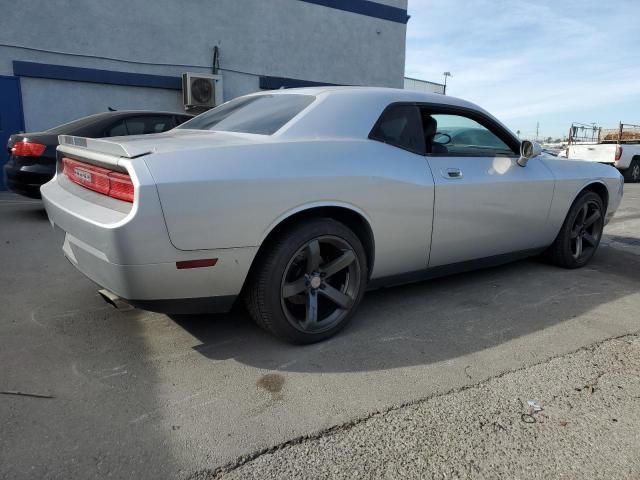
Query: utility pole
(446, 74)
(537, 130)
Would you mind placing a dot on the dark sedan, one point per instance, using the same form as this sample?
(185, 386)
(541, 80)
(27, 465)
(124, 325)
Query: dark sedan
(32, 156)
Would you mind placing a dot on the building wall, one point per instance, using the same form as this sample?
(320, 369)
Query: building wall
(423, 86)
(283, 38)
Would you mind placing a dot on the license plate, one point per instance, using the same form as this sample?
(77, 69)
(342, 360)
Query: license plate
(83, 175)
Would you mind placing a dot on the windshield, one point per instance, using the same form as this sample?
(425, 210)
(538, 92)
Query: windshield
(260, 114)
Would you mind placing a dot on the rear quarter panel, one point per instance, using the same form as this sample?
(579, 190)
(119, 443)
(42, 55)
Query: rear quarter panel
(234, 196)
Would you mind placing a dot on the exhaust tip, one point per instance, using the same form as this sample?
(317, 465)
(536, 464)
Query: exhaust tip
(114, 300)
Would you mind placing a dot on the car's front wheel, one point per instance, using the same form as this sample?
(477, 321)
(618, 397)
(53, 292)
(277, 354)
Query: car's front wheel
(309, 281)
(581, 232)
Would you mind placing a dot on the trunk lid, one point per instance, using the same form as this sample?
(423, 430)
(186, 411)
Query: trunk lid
(47, 157)
(36, 137)
(139, 145)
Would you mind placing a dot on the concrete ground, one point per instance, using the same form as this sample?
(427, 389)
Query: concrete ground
(141, 395)
(583, 424)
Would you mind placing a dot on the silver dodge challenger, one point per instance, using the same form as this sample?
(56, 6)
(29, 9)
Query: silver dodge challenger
(297, 201)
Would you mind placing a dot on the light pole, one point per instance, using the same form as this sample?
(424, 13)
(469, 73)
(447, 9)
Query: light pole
(446, 74)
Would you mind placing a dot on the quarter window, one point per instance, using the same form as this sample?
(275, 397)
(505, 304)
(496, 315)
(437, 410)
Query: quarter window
(401, 126)
(258, 114)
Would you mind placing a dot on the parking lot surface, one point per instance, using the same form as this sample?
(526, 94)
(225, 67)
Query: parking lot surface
(142, 395)
(584, 425)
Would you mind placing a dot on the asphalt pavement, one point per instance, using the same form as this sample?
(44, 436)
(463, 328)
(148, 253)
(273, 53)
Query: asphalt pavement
(575, 416)
(143, 395)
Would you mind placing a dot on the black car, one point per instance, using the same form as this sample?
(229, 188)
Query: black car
(32, 156)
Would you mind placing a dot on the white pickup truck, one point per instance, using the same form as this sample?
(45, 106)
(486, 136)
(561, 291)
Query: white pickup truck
(618, 147)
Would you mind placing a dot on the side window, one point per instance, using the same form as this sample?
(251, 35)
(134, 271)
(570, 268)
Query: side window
(117, 129)
(180, 119)
(401, 126)
(149, 124)
(457, 135)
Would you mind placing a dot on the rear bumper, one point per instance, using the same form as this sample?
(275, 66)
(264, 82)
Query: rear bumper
(27, 189)
(161, 287)
(130, 254)
(27, 180)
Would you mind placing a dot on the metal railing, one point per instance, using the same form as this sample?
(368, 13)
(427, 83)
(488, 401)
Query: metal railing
(584, 133)
(591, 133)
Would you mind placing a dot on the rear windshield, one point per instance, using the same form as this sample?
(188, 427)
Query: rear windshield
(75, 126)
(261, 114)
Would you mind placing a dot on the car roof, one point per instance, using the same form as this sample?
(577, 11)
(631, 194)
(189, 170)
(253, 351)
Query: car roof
(98, 119)
(392, 94)
(128, 113)
(147, 112)
(357, 107)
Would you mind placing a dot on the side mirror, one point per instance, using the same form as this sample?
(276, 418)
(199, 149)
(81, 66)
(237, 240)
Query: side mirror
(528, 150)
(442, 138)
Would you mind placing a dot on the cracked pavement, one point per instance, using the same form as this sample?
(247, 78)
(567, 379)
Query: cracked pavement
(589, 427)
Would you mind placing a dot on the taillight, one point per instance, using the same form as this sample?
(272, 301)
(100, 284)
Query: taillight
(27, 149)
(102, 180)
(121, 186)
(618, 153)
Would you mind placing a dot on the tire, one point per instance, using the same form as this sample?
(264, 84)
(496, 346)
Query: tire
(632, 174)
(298, 291)
(580, 234)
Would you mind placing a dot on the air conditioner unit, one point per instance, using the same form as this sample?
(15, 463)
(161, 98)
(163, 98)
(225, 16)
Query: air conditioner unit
(201, 90)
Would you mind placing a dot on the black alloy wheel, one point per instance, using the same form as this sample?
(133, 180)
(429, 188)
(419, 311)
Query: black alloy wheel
(308, 281)
(586, 230)
(581, 232)
(320, 284)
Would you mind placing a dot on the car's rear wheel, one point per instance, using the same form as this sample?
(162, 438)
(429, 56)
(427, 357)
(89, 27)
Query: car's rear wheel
(632, 174)
(309, 282)
(581, 232)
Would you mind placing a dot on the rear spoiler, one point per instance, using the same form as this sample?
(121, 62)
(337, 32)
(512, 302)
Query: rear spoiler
(107, 147)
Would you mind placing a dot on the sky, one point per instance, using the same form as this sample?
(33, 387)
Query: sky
(552, 62)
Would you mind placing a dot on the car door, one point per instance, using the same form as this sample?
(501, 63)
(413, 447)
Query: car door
(486, 204)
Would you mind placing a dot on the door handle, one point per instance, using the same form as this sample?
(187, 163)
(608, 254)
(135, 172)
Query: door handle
(452, 173)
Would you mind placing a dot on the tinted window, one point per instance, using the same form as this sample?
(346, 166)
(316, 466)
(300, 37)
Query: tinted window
(117, 129)
(79, 125)
(180, 119)
(149, 124)
(261, 114)
(462, 136)
(401, 126)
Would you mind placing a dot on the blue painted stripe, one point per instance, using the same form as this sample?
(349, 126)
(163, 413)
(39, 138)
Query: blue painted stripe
(366, 7)
(93, 75)
(274, 83)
